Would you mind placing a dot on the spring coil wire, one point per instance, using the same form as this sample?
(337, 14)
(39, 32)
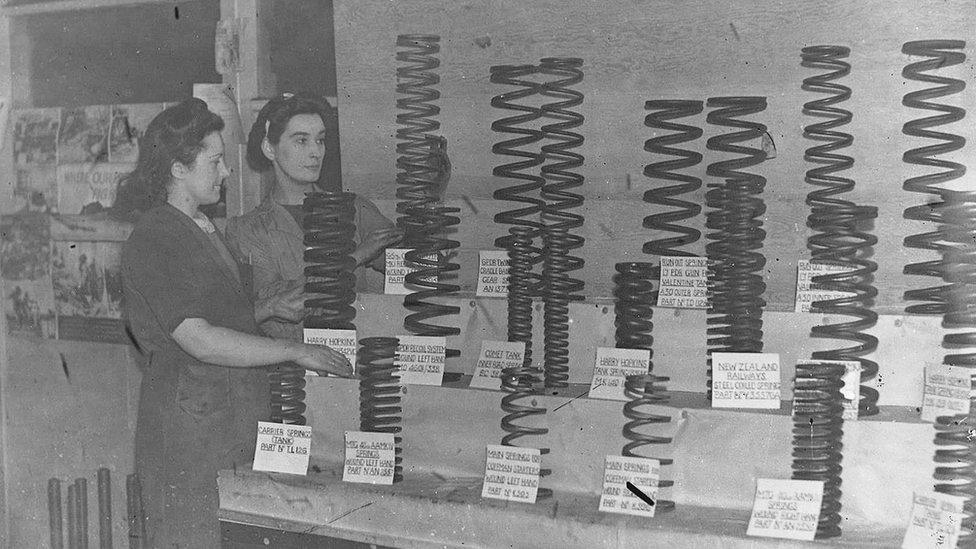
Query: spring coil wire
(558, 218)
(939, 54)
(735, 216)
(379, 392)
(419, 192)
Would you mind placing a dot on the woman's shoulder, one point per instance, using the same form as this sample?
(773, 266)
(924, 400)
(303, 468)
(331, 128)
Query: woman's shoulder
(257, 219)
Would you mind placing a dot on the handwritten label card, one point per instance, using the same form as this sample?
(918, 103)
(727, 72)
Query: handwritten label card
(282, 448)
(786, 508)
(643, 473)
(684, 282)
(496, 356)
(745, 380)
(851, 391)
(492, 274)
(612, 368)
(512, 473)
(420, 359)
(397, 269)
(805, 271)
(947, 391)
(370, 457)
(935, 521)
(343, 341)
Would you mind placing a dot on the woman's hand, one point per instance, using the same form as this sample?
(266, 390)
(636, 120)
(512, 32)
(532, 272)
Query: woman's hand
(287, 305)
(323, 359)
(375, 242)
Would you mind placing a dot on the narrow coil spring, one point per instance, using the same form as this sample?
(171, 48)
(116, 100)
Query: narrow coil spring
(523, 241)
(939, 55)
(329, 224)
(379, 392)
(839, 236)
(818, 428)
(634, 292)
(518, 404)
(735, 267)
(558, 216)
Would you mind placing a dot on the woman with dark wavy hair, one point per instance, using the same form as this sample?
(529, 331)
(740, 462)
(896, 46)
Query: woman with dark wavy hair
(189, 309)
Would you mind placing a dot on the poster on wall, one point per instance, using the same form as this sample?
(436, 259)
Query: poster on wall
(25, 266)
(128, 126)
(83, 135)
(88, 188)
(87, 281)
(35, 150)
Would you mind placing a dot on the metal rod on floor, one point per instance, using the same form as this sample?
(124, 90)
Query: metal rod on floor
(54, 513)
(82, 513)
(104, 509)
(72, 519)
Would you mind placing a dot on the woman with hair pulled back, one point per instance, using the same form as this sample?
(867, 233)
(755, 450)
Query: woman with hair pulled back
(288, 139)
(191, 315)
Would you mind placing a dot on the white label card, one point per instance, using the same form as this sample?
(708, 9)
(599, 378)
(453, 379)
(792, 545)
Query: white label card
(512, 473)
(420, 359)
(370, 457)
(397, 269)
(612, 368)
(642, 473)
(684, 282)
(496, 356)
(745, 380)
(343, 341)
(935, 522)
(282, 448)
(492, 273)
(851, 391)
(947, 390)
(786, 508)
(805, 271)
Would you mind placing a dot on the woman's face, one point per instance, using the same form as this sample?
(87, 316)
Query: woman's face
(205, 177)
(299, 152)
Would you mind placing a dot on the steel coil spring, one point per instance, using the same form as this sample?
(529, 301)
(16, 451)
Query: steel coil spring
(939, 55)
(633, 290)
(520, 386)
(416, 175)
(287, 393)
(818, 427)
(329, 266)
(379, 392)
(839, 236)
(735, 269)
(523, 241)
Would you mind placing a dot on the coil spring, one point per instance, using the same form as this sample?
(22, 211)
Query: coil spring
(934, 299)
(520, 384)
(287, 393)
(416, 176)
(735, 281)
(379, 392)
(634, 291)
(329, 272)
(839, 237)
(818, 427)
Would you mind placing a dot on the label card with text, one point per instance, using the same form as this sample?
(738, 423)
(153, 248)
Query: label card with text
(512, 473)
(643, 473)
(786, 508)
(492, 273)
(805, 271)
(496, 356)
(282, 448)
(684, 282)
(935, 522)
(343, 341)
(745, 380)
(420, 359)
(612, 368)
(370, 457)
(947, 390)
(851, 391)
(397, 269)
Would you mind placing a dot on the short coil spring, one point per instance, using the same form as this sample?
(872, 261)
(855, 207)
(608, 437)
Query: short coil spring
(379, 392)
(520, 386)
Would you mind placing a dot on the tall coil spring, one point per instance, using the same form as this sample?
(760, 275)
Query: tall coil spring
(634, 291)
(520, 386)
(330, 229)
(558, 217)
(379, 392)
(840, 233)
(523, 242)
(818, 428)
(419, 191)
(735, 269)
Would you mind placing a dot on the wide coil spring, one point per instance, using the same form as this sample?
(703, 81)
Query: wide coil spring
(417, 178)
(330, 229)
(939, 55)
(839, 236)
(287, 393)
(558, 218)
(818, 428)
(735, 216)
(634, 291)
(518, 404)
(379, 392)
